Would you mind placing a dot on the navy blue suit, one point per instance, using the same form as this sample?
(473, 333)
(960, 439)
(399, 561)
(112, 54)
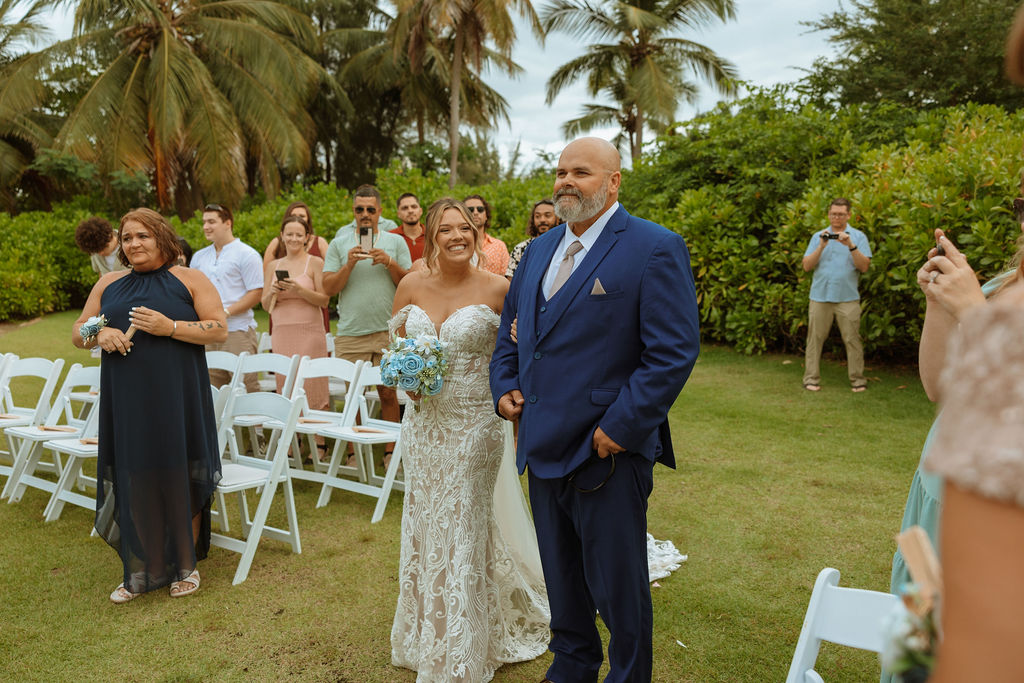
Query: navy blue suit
(584, 359)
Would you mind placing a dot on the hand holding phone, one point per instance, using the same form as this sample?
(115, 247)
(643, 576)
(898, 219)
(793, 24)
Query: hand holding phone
(366, 239)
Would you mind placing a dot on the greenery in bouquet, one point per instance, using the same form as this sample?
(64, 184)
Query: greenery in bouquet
(910, 638)
(415, 365)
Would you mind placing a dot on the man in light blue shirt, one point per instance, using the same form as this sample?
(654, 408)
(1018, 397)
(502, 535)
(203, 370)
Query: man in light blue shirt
(837, 256)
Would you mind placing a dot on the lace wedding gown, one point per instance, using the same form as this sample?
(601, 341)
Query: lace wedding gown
(467, 602)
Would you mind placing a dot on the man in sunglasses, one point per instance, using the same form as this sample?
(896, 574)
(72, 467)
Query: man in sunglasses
(236, 270)
(363, 266)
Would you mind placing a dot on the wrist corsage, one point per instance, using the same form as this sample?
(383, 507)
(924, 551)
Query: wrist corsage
(91, 327)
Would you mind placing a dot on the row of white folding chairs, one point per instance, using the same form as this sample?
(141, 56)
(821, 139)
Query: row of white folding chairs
(359, 378)
(27, 436)
(353, 425)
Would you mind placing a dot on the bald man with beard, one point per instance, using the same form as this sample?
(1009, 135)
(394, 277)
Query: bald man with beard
(607, 334)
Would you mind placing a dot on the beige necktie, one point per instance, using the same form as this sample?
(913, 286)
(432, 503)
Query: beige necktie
(565, 267)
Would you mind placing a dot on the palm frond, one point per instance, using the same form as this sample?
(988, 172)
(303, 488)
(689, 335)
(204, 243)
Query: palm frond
(594, 116)
(596, 65)
(213, 131)
(579, 19)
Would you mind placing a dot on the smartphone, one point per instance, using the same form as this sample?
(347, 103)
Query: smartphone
(281, 275)
(366, 238)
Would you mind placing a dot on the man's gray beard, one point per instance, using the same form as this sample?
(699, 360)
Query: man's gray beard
(584, 209)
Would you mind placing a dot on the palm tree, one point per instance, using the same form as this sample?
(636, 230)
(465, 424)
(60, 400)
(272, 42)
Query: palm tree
(384, 63)
(22, 130)
(641, 65)
(469, 25)
(199, 94)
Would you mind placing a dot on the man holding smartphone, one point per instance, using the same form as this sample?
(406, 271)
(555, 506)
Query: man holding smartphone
(363, 266)
(837, 255)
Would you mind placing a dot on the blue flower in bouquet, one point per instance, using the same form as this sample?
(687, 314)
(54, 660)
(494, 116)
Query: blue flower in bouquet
(412, 365)
(409, 383)
(434, 387)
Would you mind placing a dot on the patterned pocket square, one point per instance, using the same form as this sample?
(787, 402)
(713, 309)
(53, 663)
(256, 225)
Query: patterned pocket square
(597, 288)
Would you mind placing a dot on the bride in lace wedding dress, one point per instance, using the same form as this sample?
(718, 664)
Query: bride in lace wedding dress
(467, 602)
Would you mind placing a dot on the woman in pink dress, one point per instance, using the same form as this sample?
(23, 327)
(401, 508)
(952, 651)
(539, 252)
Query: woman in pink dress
(315, 245)
(296, 304)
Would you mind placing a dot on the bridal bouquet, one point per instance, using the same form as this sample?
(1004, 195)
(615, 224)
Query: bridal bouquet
(415, 365)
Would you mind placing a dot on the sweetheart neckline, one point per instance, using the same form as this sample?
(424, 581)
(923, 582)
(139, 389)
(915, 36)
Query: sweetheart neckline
(438, 328)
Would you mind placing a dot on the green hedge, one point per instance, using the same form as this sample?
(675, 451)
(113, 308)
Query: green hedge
(41, 269)
(748, 186)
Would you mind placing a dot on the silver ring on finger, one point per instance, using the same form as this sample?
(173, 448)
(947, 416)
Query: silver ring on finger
(935, 276)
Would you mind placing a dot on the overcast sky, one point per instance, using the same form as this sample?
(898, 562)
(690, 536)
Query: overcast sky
(766, 43)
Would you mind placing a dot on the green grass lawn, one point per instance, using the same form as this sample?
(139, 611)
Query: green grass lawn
(773, 484)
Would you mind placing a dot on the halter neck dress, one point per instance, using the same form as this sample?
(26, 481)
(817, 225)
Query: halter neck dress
(158, 456)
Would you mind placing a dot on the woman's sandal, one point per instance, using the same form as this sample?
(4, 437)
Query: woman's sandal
(187, 586)
(387, 458)
(122, 595)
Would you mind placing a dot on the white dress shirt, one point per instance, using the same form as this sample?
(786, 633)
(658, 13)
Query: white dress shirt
(235, 271)
(587, 239)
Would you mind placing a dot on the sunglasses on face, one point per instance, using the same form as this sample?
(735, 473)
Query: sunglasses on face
(366, 209)
(478, 209)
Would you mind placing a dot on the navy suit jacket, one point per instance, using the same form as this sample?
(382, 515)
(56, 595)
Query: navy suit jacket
(617, 359)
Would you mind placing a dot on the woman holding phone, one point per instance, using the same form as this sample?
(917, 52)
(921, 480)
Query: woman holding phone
(293, 294)
(315, 246)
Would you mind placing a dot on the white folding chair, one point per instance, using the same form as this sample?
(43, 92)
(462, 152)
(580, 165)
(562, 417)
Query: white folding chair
(321, 423)
(241, 473)
(846, 616)
(275, 363)
(220, 404)
(30, 438)
(338, 370)
(265, 344)
(227, 361)
(267, 383)
(77, 451)
(14, 413)
(87, 397)
(370, 432)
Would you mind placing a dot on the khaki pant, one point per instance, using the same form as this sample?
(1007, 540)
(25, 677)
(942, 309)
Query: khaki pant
(243, 340)
(366, 347)
(819, 324)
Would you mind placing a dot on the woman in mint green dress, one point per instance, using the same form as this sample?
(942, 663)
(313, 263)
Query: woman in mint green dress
(950, 288)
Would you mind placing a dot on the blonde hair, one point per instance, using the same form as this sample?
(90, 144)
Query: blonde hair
(433, 225)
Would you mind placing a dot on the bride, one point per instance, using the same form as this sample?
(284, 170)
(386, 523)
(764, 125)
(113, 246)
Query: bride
(469, 600)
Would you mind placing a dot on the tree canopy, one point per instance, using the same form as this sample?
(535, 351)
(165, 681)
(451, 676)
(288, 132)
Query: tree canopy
(923, 53)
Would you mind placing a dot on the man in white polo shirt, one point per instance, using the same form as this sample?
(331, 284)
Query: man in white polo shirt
(236, 270)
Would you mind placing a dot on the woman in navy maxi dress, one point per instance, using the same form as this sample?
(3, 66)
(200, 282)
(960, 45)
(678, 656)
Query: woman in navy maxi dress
(158, 457)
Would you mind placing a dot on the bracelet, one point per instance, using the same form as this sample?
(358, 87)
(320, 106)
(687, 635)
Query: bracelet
(175, 328)
(853, 248)
(226, 312)
(389, 260)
